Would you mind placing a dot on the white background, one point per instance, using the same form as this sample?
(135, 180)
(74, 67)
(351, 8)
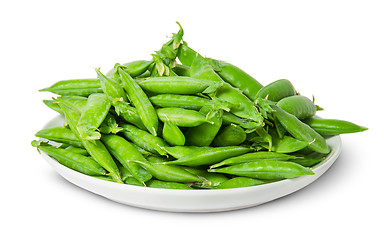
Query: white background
(331, 49)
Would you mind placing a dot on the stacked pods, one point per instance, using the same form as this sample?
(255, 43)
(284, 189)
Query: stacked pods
(183, 121)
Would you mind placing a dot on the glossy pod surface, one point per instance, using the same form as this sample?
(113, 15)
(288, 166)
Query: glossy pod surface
(263, 169)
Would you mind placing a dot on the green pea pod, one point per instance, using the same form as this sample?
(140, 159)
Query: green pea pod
(127, 180)
(255, 156)
(241, 105)
(264, 169)
(277, 90)
(301, 131)
(143, 152)
(105, 178)
(307, 161)
(167, 185)
(184, 151)
(77, 102)
(238, 182)
(182, 70)
(93, 115)
(333, 126)
(114, 92)
(287, 144)
(71, 159)
(129, 115)
(180, 101)
(134, 68)
(210, 156)
(213, 179)
(137, 96)
(204, 134)
(126, 154)
(59, 134)
(182, 117)
(172, 134)
(179, 85)
(144, 139)
(78, 150)
(231, 135)
(53, 105)
(237, 78)
(77, 87)
(186, 55)
(168, 173)
(95, 148)
(298, 105)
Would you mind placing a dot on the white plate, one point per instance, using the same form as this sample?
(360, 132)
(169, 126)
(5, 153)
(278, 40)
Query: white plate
(192, 200)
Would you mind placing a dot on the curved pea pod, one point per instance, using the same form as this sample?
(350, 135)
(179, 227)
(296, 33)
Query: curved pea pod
(298, 105)
(126, 154)
(186, 55)
(134, 68)
(287, 144)
(264, 169)
(182, 70)
(301, 131)
(231, 135)
(144, 139)
(172, 134)
(184, 151)
(333, 126)
(77, 87)
(140, 100)
(128, 178)
(277, 90)
(204, 134)
(254, 156)
(167, 185)
(93, 115)
(114, 92)
(95, 148)
(182, 117)
(77, 102)
(180, 101)
(129, 115)
(53, 105)
(78, 150)
(241, 105)
(213, 179)
(72, 160)
(238, 182)
(105, 178)
(210, 156)
(179, 85)
(59, 134)
(237, 78)
(307, 161)
(163, 172)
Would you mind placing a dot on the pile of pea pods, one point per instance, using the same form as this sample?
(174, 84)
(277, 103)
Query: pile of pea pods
(184, 121)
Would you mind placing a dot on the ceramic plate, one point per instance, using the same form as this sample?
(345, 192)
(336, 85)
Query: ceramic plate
(192, 200)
